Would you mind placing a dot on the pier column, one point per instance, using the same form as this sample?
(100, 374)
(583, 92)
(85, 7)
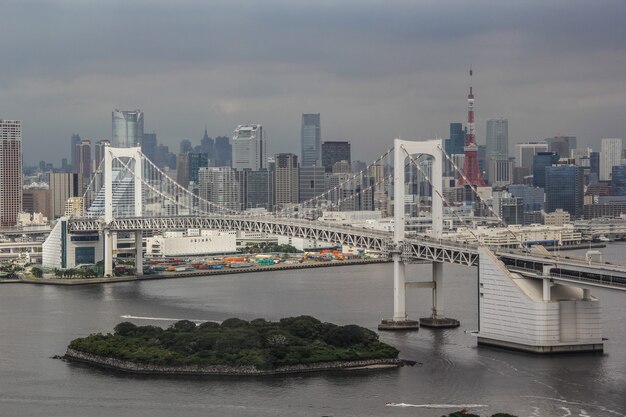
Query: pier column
(108, 252)
(399, 289)
(138, 253)
(437, 318)
(547, 293)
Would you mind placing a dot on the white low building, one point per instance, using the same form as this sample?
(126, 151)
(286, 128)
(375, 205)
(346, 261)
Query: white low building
(192, 242)
(514, 235)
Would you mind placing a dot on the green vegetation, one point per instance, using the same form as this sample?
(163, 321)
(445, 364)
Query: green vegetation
(270, 248)
(236, 342)
(36, 272)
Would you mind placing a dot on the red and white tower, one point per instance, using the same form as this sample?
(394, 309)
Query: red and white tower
(470, 163)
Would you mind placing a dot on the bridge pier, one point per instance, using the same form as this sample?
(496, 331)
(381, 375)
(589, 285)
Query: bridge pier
(437, 319)
(108, 252)
(138, 253)
(534, 315)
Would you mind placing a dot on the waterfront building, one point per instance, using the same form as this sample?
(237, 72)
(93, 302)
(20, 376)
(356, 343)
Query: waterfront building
(249, 147)
(525, 153)
(10, 171)
(610, 155)
(540, 161)
(286, 180)
(564, 189)
(333, 152)
(310, 140)
(127, 128)
(63, 250)
(74, 207)
(192, 242)
(559, 217)
(514, 235)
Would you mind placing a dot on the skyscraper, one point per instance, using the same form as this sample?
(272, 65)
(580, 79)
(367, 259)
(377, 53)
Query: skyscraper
(219, 185)
(525, 152)
(333, 152)
(618, 180)
(62, 187)
(310, 140)
(74, 140)
(565, 189)
(497, 138)
(540, 162)
(223, 151)
(286, 179)
(127, 128)
(99, 152)
(10, 171)
(83, 160)
(561, 145)
(248, 147)
(610, 155)
(148, 146)
(312, 182)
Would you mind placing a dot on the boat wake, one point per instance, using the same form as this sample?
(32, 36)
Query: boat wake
(128, 316)
(436, 405)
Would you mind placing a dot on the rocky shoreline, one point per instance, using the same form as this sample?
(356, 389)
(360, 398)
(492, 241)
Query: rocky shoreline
(140, 368)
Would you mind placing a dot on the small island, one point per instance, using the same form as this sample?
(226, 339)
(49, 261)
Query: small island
(235, 347)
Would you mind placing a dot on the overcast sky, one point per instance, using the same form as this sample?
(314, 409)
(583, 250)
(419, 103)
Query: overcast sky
(375, 70)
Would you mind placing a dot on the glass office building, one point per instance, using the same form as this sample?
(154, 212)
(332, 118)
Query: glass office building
(127, 128)
(565, 189)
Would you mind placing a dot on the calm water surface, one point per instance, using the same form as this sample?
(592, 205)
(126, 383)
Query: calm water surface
(39, 321)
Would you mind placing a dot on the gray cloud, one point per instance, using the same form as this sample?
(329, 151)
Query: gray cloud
(374, 69)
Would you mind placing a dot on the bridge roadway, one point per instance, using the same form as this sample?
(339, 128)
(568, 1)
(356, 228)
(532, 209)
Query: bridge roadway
(420, 248)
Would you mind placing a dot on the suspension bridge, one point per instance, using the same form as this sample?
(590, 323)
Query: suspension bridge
(528, 301)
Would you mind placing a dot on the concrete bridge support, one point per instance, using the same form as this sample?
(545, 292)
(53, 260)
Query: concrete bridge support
(403, 148)
(108, 252)
(534, 315)
(437, 318)
(138, 253)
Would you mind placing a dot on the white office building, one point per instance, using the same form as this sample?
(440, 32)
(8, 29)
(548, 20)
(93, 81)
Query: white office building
(249, 147)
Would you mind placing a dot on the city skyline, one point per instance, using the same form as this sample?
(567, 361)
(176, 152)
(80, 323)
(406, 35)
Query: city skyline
(390, 69)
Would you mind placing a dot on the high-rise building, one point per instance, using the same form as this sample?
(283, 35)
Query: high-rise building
(127, 128)
(99, 152)
(83, 160)
(219, 185)
(540, 162)
(312, 182)
(256, 189)
(195, 161)
(497, 138)
(310, 140)
(286, 180)
(185, 146)
(618, 180)
(206, 145)
(525, 152)
(561, 145)
(565, 189)
(36, 200)
(333, 152)
(74, 140)
(610, 155)
(223, 151)
(10, 171)
(249, 147)
(500, 171)
(456, 143)
(594, 163)
(182, 170)
(148, 146)
(63, 186)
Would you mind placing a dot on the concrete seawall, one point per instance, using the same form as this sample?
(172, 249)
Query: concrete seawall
(140, 368)
(199, 273)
